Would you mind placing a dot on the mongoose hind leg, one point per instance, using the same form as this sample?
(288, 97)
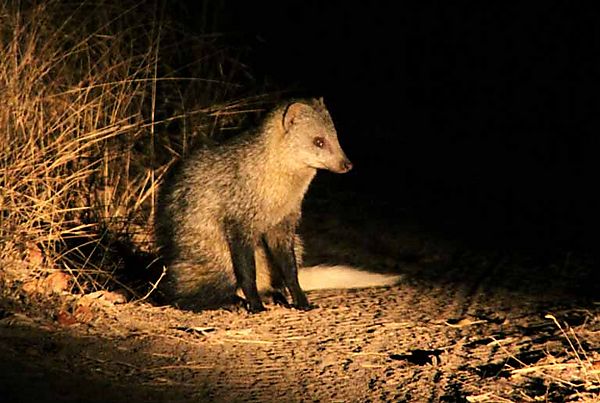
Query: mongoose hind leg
(195, 284)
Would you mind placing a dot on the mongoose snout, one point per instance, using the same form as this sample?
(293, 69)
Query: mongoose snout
(346, 166)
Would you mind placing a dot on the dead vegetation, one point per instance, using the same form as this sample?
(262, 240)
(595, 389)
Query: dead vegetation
(558, 369)
(98, 101)
(573, 370)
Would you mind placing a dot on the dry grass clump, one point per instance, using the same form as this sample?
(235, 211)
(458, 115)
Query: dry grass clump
(575, 373)
(569, 369)
(89, 97)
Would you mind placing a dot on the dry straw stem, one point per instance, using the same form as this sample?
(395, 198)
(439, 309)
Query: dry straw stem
(575, 373)
(81, 146)
(72, 100)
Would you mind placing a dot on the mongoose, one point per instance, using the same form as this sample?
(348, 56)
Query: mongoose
(228, 215)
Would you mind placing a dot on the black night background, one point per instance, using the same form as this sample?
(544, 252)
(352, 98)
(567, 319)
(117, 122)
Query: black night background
(479, 117)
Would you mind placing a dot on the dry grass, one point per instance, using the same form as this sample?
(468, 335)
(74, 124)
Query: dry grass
(575, 371)
(568, 372)
(89, 100)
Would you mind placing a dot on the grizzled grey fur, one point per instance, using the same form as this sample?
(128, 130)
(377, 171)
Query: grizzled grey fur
(228, 214)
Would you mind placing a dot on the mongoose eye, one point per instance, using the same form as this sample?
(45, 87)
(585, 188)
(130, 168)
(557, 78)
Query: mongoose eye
(319, 142)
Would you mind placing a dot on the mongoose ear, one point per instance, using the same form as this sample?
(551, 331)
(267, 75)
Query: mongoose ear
(319, 104)
(292, 113)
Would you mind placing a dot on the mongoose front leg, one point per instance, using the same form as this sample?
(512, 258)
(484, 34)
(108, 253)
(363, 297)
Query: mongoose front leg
(280, 247)
(289, 268)
(242, 255)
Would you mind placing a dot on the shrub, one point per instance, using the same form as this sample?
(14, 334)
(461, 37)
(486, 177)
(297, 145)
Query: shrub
(98, 100)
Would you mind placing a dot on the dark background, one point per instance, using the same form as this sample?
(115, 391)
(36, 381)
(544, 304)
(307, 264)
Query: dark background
(478, 118)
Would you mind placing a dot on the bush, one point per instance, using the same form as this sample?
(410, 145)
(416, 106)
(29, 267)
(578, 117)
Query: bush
(98, 100)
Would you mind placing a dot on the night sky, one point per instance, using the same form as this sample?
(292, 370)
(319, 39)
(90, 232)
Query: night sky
(479, 118)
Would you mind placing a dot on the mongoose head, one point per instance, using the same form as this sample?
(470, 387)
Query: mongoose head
(311, 135)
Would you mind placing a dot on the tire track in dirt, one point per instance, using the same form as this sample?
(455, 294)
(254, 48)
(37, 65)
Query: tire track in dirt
(462, 294)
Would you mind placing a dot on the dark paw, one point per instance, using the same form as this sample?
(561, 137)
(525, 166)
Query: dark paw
(237, 304)
(255, 307)
(280, 299)
(306, 307)
(301, 302)
(250, 306)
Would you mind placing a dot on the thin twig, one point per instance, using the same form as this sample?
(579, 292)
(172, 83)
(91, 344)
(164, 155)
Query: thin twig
(155, 285)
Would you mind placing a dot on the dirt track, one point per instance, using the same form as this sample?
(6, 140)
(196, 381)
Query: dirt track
(406, 343)
(460, 326)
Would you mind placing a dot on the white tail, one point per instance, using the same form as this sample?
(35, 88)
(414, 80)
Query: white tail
(323, 277)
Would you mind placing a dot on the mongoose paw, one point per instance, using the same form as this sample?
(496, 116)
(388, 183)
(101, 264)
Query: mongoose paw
(280, 299)
(255, 307)
(237, 304)
(306, 307)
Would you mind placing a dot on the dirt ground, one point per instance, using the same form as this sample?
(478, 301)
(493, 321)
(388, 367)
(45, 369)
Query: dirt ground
(462, 325)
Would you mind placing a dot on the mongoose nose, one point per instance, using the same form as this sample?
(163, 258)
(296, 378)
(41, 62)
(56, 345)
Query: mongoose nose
(346, 166)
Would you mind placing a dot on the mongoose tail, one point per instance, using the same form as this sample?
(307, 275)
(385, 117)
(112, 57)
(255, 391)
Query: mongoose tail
(323, 277)
(326, 277)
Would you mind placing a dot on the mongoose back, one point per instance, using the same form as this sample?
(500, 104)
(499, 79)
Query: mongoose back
(228, 214)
